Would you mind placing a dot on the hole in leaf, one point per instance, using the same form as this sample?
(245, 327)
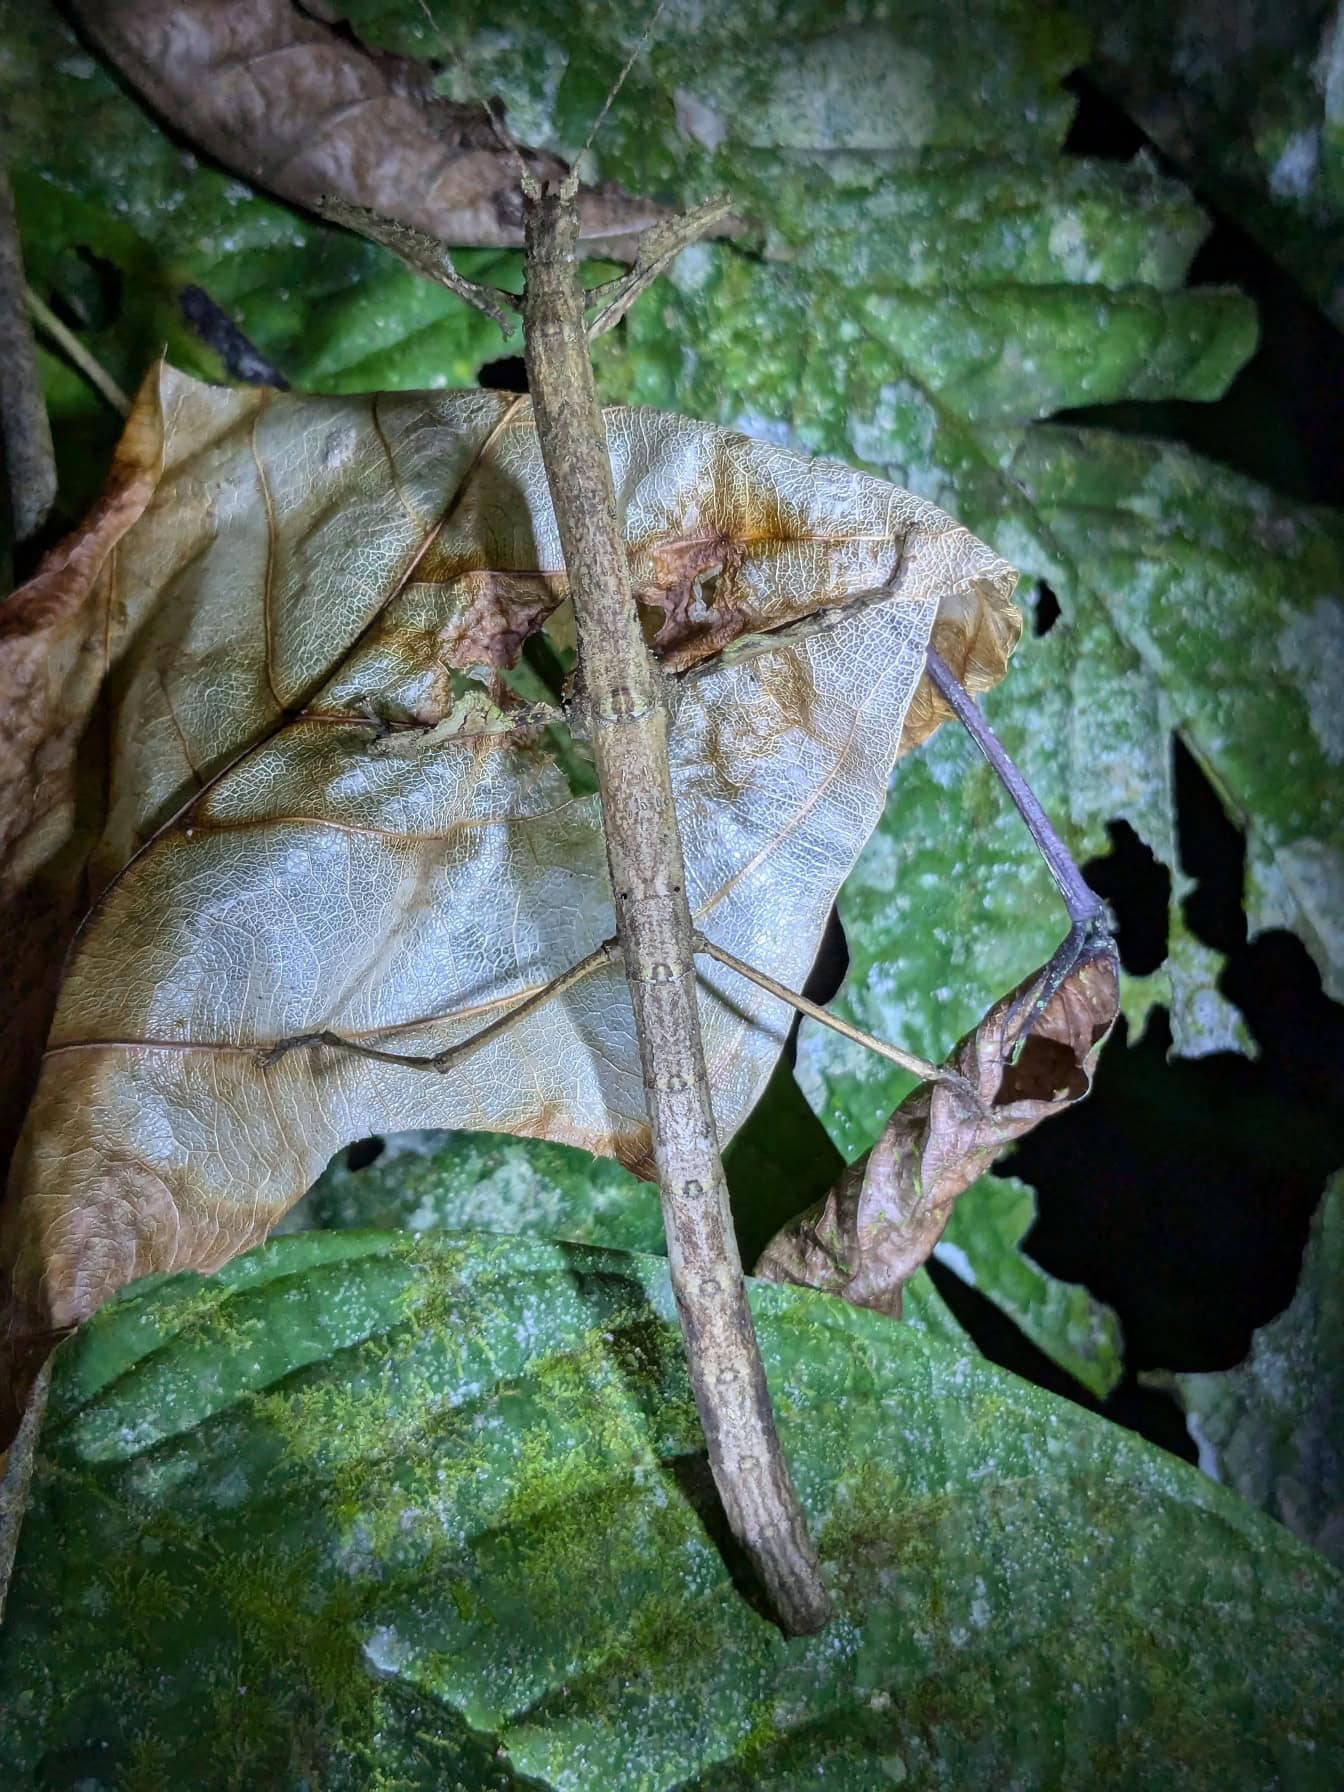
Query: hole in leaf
(87, 290)
(824, 979)
(1213, 851)
(1279, 419)
(1100, 130)
(1138, 889)
(1181, 1192)
(508, 374)
(1045, 612)
(1145, 1410)
(830, 964)
(363, 1153)
(1272, 978)
(540, 654)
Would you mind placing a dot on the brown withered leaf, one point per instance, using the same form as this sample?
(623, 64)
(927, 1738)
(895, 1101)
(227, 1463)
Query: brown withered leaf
(320, 813)
(296, 104)
(880, 1222)
(54, 654)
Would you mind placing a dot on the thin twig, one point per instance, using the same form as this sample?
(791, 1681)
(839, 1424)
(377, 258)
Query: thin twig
(70, 346)
(30, 464)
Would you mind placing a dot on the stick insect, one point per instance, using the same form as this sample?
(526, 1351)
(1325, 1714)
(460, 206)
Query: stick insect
(622, 705)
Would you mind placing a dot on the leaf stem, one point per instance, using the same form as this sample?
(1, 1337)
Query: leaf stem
(74, 350)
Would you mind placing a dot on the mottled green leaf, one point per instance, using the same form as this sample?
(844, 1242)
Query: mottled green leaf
(1203, 1020)
(1249, 102)
(780, 1160)
(374, 1511)
(487, 1182)
(982, 1245)
(1193, 600)
(1273, 1427)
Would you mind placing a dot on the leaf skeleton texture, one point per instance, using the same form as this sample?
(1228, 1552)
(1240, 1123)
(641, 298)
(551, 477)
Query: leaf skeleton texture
(321, 812)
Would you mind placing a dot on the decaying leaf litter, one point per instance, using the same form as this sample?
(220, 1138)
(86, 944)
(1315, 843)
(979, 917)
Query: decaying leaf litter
(1033, 696)
(708, 1178)
(881, 1222)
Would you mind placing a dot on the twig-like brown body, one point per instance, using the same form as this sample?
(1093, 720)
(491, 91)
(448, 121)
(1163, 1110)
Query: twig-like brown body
(628, 719)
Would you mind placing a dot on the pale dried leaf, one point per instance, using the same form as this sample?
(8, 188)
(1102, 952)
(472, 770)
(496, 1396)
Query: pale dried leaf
(317, 819)
(882, 1219)
(302, 108)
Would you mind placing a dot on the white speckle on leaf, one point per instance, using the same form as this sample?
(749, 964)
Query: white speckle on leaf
(692, 268)
(980, 1606)
(385, 1651)
(1208, 1450)
(338, 448)
(956, 1260)
(1294, 174)
(1311, 646)
(231, 1489)
(1069, 246)
(697, 120)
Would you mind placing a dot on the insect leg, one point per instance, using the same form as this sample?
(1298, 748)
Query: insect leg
(453, 1055)
(1089, 936)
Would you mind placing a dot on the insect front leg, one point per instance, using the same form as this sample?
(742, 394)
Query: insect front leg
(1089, 937)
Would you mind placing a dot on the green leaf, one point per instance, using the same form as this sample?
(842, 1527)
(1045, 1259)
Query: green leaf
(1272, 1426)
(982, 1246)
(1197, 602)
(778, 1162)
(486, 1182)
(1254, 115)
(373, 1511)
(1202, 1020)
(116, 219)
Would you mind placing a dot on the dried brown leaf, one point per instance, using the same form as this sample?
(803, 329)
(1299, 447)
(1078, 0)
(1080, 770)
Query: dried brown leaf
(880, 1222)
(54, 647)
(314, 814)
(299, 106)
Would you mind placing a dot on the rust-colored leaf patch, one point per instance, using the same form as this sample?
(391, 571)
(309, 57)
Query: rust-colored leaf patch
(880, 1222)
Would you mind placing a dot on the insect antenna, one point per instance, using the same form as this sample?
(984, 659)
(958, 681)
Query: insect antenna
(491, 106)
(619, 82)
